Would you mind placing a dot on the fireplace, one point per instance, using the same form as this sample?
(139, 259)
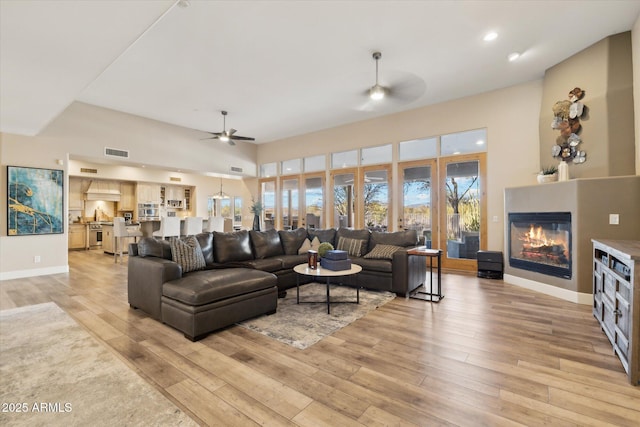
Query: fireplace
(541, 242)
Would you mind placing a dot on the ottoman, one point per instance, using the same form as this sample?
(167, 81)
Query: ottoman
(204, 301)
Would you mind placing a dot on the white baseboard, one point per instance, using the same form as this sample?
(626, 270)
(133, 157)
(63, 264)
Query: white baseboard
(565, 294)
(19, 274)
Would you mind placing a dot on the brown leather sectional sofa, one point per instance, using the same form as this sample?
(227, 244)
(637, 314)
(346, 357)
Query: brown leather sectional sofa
(246, 271)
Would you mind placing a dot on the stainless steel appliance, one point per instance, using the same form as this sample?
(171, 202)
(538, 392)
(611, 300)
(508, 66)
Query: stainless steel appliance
(148, 211)
(95, 234)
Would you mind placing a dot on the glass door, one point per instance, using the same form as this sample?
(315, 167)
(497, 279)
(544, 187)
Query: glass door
(290, 203)
(343, 197)
(418, 201)
(313, 202)
(376, 197)
(268, 199)
(463, 220)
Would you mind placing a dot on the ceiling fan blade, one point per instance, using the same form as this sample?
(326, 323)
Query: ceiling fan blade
(231, 131)
(243, 138)
(230, 142)
(211, 137)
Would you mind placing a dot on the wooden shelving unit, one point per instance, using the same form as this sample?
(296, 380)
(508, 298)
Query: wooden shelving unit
(616, 299)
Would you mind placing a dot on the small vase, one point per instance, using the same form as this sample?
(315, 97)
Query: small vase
(256, 223)
(563, 171)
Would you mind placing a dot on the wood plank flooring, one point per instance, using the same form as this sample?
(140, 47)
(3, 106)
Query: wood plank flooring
(489, 354)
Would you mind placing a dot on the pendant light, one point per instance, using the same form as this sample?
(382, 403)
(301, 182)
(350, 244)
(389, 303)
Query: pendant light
(220, 195)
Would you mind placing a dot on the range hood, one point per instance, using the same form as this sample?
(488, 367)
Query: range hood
(103, 190)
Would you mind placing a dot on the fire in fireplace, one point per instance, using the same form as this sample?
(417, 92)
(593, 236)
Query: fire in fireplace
(541, 242)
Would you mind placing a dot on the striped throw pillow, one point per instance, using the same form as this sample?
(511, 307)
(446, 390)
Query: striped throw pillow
(187, 253)
(382, 252)
(353, 247)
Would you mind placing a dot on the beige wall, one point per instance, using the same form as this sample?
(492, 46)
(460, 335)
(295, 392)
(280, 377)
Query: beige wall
(510, 116)
(635, 54)
(604, 72)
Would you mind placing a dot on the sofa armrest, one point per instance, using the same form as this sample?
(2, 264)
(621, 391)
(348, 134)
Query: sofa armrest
(408, 272)
(146, 276)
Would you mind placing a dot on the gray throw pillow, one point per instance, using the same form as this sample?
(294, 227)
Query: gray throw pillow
(187, 253)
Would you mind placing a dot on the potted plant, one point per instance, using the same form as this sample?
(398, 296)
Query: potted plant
(548, 174)
(256, 210)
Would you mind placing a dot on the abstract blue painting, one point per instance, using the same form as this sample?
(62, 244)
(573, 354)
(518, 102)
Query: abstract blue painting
(35, 201)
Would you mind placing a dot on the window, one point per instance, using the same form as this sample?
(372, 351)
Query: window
(268, 197)
(268, 170)
(314, 201)
(225, 208)
(473, 141)
(344, 159)
(315, 163)
(237, 210)
(376, 155)
(290, 167)
(426, 148)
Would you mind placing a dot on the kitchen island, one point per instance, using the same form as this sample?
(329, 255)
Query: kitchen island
(148, 226)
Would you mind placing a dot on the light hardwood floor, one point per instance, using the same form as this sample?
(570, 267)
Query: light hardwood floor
(488, 354)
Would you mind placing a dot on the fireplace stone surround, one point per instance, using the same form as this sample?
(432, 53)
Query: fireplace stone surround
(590, 202)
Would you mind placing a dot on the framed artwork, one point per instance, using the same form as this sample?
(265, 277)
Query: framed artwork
(35, 201)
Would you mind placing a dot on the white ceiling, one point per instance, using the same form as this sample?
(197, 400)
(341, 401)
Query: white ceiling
(280, 68)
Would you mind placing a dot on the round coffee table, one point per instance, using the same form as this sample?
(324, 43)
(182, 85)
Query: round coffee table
(303, 269)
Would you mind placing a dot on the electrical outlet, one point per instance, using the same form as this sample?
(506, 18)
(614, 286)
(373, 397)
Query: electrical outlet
(36, 259)
(614, 219)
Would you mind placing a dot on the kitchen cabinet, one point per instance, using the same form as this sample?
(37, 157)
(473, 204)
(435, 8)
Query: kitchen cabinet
(616, 299)
(127, 196)
(148, 193)
(78, 236)
(76, 194)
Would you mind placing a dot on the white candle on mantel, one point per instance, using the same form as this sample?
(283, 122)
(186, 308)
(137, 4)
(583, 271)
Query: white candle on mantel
(563, 171)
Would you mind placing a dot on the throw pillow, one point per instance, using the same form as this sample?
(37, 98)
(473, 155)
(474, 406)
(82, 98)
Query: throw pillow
(352, 246)
(187, 253)
(306, 245)
(383, 252)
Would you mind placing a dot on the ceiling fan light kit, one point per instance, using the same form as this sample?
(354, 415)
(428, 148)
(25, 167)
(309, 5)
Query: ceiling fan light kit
(377, 92)
(228, 135)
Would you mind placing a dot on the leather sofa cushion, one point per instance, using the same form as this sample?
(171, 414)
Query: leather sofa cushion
(204, 287)
(397, 238)
(206, 244)
(328, 235)
(265, 264)
(292, 240)
(148, 246)
(231, 247)
(378, 265)
(265, 243)
(290, 261)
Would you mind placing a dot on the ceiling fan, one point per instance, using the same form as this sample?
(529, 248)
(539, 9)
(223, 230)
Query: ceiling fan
(228, 135)
(401, 88)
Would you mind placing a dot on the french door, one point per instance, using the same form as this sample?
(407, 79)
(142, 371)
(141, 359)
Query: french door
(445, 201)
(463, 215)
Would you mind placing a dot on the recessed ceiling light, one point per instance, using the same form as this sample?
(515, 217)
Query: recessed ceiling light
(513, 56)
(490, 36)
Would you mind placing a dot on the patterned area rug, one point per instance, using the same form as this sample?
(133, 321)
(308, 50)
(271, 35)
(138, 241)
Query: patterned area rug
(302, 325)
(53, 373)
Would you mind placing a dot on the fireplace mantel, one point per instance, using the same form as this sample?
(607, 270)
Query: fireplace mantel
(590, 202)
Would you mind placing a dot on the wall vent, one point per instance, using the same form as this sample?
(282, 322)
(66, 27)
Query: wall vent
(175, 178)
(236, 169)
(114, 152)
(88, 170)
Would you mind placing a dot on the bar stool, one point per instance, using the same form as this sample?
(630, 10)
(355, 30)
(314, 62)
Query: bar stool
(192, 225)
(120, 230)
(214, 223)
(169, 227)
